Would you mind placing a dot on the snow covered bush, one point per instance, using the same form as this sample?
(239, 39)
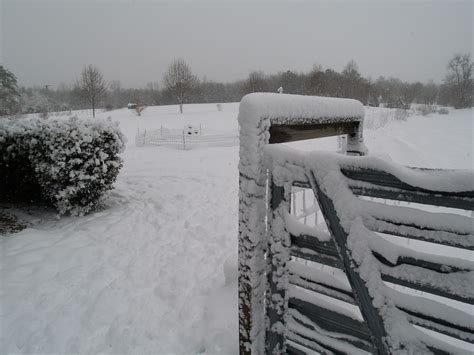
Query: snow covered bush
(69, 163)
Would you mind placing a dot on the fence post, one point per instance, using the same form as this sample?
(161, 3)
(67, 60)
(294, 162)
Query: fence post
(144, 137)
(184, 141)
(355, 142)
(277, 257)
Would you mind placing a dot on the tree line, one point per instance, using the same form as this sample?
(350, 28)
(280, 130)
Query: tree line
(179, 86)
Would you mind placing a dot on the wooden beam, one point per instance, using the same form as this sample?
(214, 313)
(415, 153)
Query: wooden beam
(290, 133)
(384, 185)
(333, 322)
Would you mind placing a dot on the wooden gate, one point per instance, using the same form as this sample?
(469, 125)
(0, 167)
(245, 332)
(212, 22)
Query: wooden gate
(375, 292)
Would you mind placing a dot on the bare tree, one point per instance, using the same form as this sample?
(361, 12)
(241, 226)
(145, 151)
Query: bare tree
(256, 82)
(460, 79)
(92, 85)
(180, 81)
(353, 85)
(152, 91)
(139, 106)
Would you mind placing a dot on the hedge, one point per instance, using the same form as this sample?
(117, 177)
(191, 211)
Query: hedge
(68, 163)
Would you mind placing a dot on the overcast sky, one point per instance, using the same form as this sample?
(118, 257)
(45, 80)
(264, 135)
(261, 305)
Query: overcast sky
(48, 42)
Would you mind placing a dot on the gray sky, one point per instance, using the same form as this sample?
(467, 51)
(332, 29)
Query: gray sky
(48, 42)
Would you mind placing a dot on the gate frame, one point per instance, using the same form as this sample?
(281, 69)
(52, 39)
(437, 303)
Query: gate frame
(266, 118)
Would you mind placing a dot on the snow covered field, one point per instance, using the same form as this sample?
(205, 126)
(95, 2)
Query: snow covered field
(146, 274)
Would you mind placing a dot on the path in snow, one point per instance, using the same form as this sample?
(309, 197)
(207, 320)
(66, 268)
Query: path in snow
(134, 277)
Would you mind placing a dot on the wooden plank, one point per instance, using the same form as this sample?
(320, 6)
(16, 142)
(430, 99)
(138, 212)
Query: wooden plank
(424, 286)
(433, 199)
(429, 265)
(370, 314)
(417, 318)
(290, 133)
(293, 350)
(330, 320)
(406, 192)
(310, 248)
(327, 281)
(316, 257)
(275, 308)
(311, 344)
(426, 234)
(410, 231)
(323, 289)
(439, 325)
(353, 331)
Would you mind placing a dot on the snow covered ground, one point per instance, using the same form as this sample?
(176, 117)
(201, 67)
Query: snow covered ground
(146, 274)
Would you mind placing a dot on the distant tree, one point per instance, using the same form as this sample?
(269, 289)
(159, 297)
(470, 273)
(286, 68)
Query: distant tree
(212, 92)
(332, 83)
(38, 102)
(459, 78)
(180, 82)
(115, 95)
(351, 71)
(389, 90)
(410, 93)
(353, 85)
(291, 82)
(315, 84)
(9, 95)
(152, 93)
(256, 82)
(429, 93)
(140, 106)
(446, 95)
(92, 86)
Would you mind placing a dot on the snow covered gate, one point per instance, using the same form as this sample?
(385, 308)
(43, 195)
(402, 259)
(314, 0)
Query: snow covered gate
(380, 278)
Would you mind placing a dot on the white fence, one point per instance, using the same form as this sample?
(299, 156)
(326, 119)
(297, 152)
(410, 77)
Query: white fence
(184, 138)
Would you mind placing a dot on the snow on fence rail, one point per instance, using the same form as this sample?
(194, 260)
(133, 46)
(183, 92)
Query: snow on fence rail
(185, 138)
(347, 285)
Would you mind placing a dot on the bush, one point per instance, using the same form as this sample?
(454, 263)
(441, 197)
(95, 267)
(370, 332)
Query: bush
(443, 111)
(69, 163)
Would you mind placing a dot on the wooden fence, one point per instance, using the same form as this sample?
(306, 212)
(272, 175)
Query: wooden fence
(183, 138)
(356, 285)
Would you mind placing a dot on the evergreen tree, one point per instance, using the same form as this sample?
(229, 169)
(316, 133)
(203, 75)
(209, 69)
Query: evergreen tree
(9, 95)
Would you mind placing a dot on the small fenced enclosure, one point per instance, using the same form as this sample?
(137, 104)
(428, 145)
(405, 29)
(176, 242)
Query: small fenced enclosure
(184, 138)
(378, 260)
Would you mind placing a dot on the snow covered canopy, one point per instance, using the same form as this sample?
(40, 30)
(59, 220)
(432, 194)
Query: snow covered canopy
(273, 118)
